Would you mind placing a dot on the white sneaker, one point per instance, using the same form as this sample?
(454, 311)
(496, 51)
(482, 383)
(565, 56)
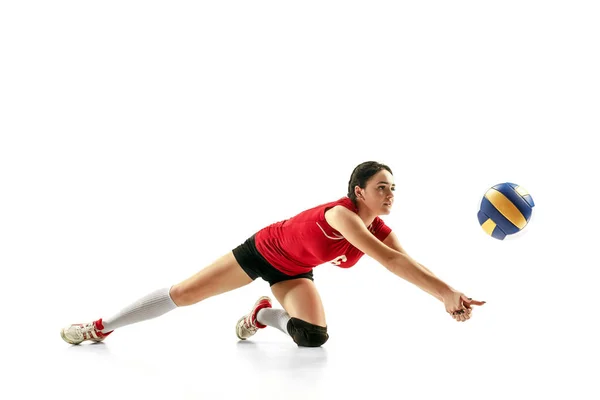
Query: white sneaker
(248, 325)
(77, 333)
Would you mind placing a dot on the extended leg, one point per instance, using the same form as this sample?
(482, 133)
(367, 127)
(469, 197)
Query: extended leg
(222, 275)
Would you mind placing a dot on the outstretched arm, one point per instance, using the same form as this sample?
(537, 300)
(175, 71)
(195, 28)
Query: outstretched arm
(392, 241)
(352, 228)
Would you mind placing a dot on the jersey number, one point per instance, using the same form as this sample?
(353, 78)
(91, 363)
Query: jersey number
(339, 259)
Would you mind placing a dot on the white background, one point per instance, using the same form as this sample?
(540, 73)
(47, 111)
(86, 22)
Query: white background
(142, 140)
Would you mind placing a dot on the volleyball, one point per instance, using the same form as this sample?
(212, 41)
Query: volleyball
(505, 209)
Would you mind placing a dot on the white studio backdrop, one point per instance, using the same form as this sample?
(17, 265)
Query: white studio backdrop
(139, 141)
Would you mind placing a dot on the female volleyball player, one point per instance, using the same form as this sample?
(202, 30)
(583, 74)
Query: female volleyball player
(284, 254)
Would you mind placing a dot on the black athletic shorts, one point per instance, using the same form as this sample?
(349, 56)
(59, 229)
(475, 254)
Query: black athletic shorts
(256, 266)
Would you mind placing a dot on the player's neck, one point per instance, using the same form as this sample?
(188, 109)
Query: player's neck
(365, 214)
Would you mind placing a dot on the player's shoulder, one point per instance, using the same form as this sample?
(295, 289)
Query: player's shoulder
(343, 203)
(340, 213)
(340, 207)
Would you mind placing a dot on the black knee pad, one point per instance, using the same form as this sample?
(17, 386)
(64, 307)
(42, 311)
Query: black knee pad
(306, 334)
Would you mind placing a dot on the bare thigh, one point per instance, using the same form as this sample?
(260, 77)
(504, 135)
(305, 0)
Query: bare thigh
(300, 298)
(221, 276)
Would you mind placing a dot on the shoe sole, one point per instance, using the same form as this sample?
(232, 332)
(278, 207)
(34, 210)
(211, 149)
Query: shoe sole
(253, 307)
(236, 329)
(62, 335)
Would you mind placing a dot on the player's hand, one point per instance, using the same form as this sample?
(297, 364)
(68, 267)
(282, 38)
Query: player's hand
(459, 306)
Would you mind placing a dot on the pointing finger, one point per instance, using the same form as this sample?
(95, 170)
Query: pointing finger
(468, 301)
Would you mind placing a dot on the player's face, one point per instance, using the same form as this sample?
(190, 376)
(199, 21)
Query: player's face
(379, 193)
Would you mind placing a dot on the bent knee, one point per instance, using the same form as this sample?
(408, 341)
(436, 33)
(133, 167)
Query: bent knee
(306, 334)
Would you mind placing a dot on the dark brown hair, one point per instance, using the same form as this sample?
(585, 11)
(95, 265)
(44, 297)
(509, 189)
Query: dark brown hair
(362, 173)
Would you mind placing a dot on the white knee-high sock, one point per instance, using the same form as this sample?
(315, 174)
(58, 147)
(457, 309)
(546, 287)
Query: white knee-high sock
(274, 317)
(150, 306)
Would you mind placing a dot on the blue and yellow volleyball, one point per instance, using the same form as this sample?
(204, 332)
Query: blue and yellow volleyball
(505, 209)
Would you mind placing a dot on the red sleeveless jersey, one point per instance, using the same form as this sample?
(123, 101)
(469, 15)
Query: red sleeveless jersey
(298, 244)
